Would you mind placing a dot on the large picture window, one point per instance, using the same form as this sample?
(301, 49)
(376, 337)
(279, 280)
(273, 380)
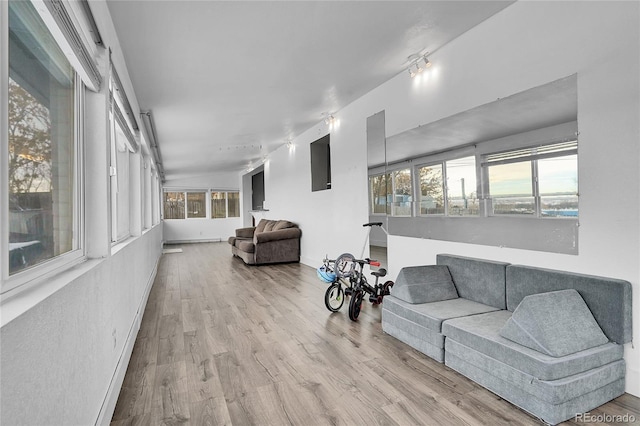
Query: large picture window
(539, 181)
(42, 148)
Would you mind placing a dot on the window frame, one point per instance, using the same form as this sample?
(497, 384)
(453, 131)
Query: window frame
(226, 193)
(392, 175)
(371, 195)
(443, 168)
(186, 204)
(54, 265)
(533, 160)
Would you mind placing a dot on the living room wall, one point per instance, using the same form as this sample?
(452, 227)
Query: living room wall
(203, 229)
(525, 45)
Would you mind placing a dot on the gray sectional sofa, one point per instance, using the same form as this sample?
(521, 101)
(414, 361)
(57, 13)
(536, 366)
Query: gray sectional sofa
(547, 341)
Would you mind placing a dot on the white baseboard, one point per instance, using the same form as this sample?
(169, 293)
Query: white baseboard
(209, 240)
(111, 398)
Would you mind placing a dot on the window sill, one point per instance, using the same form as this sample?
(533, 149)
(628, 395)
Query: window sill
(116, 247)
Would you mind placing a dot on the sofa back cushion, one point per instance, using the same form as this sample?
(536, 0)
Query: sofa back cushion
(261, 225)
(283, 224)
(608, 299)
(480, 280)
(557, 323)
(424, 284)
(266, 225)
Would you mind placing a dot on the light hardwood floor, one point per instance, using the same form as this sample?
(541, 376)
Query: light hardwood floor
(224, 343)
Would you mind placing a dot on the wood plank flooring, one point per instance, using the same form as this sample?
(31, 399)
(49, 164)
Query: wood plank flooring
(223, 343)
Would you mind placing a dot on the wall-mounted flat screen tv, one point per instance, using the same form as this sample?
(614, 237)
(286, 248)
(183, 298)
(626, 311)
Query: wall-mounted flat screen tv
(321, 164)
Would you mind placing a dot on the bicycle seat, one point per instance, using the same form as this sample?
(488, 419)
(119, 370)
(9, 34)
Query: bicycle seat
(379, 273)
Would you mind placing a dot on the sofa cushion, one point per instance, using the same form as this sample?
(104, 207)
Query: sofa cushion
(431, 315)
(283, 224)
(246, 246)
(608, 299)
(261, 225)
(424, 284)
(482, 333)
(551, 391)
(480, 280)
(557, 323)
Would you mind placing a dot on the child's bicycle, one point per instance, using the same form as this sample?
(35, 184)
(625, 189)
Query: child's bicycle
(347, 271)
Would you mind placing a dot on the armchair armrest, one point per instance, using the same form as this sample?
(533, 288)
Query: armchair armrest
(282, 234)
(245, 232)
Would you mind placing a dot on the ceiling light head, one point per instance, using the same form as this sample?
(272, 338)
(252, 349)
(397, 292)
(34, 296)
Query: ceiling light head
(427, 63)
(328, 118)
(412, 73)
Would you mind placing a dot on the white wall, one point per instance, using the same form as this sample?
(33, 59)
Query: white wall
(525, 45)
(204, 229)
(59, 358)
(200, 229)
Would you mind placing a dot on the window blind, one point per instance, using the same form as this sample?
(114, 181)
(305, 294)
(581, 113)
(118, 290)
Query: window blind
(534, 153)
(63, 20)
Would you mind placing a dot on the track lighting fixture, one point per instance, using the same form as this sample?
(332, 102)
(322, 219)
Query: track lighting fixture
(417, 64)
(328, 118)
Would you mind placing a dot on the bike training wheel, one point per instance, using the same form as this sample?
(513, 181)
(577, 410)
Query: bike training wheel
(354, 306)
(344, 265)
(334, 297)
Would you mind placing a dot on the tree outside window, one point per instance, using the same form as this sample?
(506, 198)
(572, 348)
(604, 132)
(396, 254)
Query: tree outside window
(431, 190)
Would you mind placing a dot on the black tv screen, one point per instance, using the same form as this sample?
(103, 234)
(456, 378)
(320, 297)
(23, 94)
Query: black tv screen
(321, 164)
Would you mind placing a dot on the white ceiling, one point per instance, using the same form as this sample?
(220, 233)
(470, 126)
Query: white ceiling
(228, 82)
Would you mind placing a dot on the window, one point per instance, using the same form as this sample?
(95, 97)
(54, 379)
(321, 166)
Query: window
(156, 197)
(119, 183)
(225, 204)
(174, 205)
(380, 193)
(234, 204)
(42, 150)
(402, 193)
(449, 188)
(431, 190)
(538, 182)
(462, 199)
(218, 205)
(196, 205)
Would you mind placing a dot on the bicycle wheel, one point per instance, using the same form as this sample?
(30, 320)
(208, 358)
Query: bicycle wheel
(344, 265)
(334, 297)
(354, 306)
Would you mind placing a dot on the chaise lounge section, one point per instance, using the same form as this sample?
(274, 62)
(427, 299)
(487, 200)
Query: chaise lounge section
(555, 350)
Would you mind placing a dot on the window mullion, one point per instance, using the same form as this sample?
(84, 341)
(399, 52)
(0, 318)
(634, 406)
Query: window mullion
(445, 188)
(535, 187)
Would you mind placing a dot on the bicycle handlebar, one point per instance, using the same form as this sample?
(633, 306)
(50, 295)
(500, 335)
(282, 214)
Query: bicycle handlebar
(373, 224)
